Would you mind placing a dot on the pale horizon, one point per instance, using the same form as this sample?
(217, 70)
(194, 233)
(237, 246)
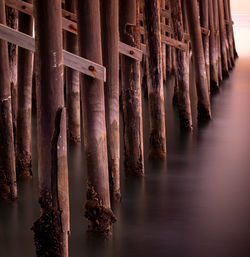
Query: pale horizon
(240, 6)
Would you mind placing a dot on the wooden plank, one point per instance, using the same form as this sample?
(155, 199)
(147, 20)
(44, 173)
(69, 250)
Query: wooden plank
(144, 48)
(173, 42)
(130, 51)
(20, 6)
(73, 61)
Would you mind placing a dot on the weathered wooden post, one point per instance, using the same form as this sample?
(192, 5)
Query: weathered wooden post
(230, 16)
(110, 49)
(24, 81)
(213, 51)
(182, 76)
(131, 89)
(8, 187)
(73, 85)
(205, 36)
(52, 228)
(223, 40)
(155, 79)
(97, 207)
(217, 33)
(11, 21)
(204, 109)
(229, 28)
(163, 46)
(169, 49)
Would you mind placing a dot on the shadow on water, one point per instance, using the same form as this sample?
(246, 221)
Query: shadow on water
(194, 205)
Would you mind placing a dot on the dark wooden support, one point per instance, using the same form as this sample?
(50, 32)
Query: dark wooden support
(217, 33)
(205, 36)
(97, 207)
(213, 50)
(182, 62)
(110, 48)
(52, 228)
(11, 21)
(131, 90)
(169, 49)
(25, 72)
(223, 40)
(204, 109)
(155, 79)
(229, 26)
(8, 187)
(73, 85)
(163, 21)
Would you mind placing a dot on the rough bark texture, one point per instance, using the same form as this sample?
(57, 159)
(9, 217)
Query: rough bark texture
(223, 40)
(8, 187)
(110, 40)
(204, 21)
(229, 28)
(131, 90)
(12, 21)
(204, 109)
(25, 72)
(214, 80)
(182, 76)
(155, 79)
(93, 109)
(51, 229)
(217, 29)
(73, 85)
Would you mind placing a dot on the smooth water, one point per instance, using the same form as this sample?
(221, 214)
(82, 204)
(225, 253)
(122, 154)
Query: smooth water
(197, 204)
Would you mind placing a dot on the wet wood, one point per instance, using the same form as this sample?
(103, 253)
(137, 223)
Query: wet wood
(72, 85)
(51, 132)
(110, 49)
(204, 109)
(8, 187)
(25, 72)
(97, 207)
(182, 76)
(11, 21)
(155, 79)
(131, 90)
(223, 40)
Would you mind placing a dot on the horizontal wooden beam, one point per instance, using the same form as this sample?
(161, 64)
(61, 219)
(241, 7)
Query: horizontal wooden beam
(130, 51)
(175, 43)
(70, 60)
(69, 24)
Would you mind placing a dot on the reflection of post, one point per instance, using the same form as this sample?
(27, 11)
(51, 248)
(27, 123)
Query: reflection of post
(8, 189)
(97, 207)
(182, 62)
(155, 79)
(110, 39)
(131, 90)
(52, 228)
(25, 72)
(204, 109)
(72, 85)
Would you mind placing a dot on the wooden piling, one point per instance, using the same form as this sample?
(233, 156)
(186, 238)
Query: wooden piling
(169, 49)
(182, 76)
(25, 72)
(97, 207)
(110, 49)
(8, 187)
(11, 21)
(131, 90)
(223, 40)
(163, 46)
(213, 51)
(155, 79)
(72, 85)
(204, 109)
(52, 228)
(204, 21)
